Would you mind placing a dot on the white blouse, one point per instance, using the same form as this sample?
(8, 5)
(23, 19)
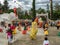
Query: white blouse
(46, 42)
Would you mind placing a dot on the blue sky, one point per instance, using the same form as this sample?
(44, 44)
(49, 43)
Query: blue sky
(26, 4)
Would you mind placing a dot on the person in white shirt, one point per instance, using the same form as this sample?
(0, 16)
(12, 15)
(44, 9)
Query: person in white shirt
(46, 41)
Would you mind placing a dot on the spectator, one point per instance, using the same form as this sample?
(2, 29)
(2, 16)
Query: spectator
(25, 29)
(46, 41)
(58, 25)
(9, 35)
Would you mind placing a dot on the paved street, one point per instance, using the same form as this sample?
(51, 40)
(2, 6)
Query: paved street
(19, 35)
(17, 17)
(53, 38)
(21, 39)
(3, 39)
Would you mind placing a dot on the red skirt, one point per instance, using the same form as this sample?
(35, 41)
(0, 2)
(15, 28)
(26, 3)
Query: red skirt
(1, 30)
(24, 32)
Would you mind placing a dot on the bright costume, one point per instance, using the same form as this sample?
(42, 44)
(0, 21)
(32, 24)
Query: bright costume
(46, 32)
(13, 29)
(19, 27)
(46, 25)
(40, 22)
(1, 30)
(9, 36)
(28, 28)
(33, 30)
(58, 25)
(36, 20)
(24, 31)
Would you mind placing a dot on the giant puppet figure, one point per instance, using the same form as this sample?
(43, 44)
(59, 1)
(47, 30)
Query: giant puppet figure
(36, 20)
(34, 30)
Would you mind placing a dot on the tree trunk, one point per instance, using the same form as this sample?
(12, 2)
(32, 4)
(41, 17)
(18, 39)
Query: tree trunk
(33, 7)
(51, 9)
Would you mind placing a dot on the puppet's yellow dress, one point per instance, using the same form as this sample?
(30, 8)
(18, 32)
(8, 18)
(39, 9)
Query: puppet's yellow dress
(33, 30)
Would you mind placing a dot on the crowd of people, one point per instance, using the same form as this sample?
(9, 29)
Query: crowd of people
(11, 29)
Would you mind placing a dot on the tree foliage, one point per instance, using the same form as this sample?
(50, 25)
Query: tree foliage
(57, 7)
(5, 6)
(56, 15)
(40, 10)
(25, 17)
(0, 8)
(56, 12)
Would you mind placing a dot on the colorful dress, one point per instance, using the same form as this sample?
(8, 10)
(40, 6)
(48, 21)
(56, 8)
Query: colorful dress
(40, 23)
(1, 30)
(24, 31)
(46, 32)
(33, 30)
(28, 28)
(46, 25)
(36, 20)
(13, 29)
(9, 36)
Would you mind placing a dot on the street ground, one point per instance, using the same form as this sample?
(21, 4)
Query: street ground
(53, 38)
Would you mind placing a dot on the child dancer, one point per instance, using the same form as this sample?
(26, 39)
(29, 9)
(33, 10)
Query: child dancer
(46, 25)
(12, 27)
(9, 35)
(25, 29)
(46, 32)
(19, 27)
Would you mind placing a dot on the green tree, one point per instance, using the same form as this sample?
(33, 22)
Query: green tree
(26, 13)
(57, 7)
(31, 12)
(56, 15)
(0, 8)
(40, 10)
(5, 6)
(33, 8)
(10, 10)
(47, 7)
(20, 13)
(56, 12)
